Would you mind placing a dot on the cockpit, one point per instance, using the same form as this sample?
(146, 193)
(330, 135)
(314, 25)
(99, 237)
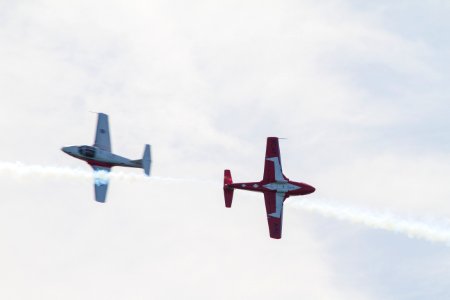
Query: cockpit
(87, 151)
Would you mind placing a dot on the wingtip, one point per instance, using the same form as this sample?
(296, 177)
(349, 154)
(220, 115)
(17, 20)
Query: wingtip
(276, 138)
(98, 113)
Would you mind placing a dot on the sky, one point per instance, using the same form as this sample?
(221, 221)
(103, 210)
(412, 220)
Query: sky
(358, 88)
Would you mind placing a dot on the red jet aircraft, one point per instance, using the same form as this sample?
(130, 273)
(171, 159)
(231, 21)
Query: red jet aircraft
(275, 186)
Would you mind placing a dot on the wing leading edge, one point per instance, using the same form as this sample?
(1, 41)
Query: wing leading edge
(274, 209)
(102, 139)
(101, 181)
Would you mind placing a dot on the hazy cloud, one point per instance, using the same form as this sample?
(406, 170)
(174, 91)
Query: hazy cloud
(359, 89)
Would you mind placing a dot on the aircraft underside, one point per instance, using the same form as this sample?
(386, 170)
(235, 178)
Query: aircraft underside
(101, 159)
(275, 186)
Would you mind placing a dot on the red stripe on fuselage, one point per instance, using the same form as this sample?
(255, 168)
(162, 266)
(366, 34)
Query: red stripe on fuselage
(98, 163)
(304, 189)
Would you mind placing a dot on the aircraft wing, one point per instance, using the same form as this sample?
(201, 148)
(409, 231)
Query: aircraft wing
(101, 182)
(274, 208)
(272, 166)
(102, 139)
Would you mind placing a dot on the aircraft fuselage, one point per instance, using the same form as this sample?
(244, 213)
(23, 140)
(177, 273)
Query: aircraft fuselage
(290, 188)
(275, 186)
(96, 156)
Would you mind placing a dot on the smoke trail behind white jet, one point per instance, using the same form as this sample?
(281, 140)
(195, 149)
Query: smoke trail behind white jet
(387, 221)
(19, 170)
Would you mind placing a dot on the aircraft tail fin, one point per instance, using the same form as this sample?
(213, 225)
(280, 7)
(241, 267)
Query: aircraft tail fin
(228, 191)
(147, 160)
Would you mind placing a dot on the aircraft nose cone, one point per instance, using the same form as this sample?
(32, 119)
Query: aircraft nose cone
(310, 189)
(64, 149)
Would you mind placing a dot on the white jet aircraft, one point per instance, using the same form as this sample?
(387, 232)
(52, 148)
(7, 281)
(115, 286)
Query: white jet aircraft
(101, 159)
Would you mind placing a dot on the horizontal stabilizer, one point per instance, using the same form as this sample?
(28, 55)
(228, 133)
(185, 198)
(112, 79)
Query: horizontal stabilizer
(227, 191)
(147, 160)
(227, 179)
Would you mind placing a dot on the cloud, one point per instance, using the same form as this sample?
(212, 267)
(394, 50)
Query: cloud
(205, 83)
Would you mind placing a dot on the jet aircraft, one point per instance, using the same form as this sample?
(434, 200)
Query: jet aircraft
(101, 159)
(275, 186)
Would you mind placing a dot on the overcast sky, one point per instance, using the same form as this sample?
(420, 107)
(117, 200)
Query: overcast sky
(359, 88)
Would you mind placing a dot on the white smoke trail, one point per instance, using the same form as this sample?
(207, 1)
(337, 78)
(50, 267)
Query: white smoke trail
(387, 221)
(19, 170)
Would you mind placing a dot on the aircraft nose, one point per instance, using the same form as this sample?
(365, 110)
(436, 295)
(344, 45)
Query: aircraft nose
(64, 149)
(310, 189)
